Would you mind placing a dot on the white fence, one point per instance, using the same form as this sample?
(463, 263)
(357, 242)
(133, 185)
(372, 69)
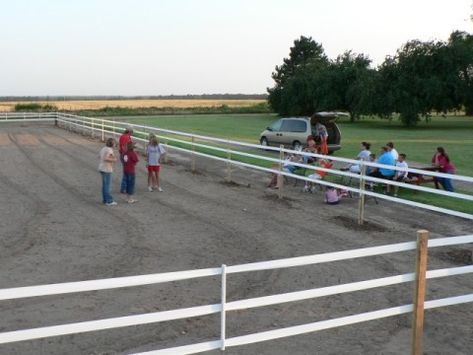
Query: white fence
(223, 307)
(229, 149)
(232, 152)
(28, 116)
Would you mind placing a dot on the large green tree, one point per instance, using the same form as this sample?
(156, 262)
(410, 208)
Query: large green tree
(351, 83)
(417, 81)
(290, 94)
(460, 57)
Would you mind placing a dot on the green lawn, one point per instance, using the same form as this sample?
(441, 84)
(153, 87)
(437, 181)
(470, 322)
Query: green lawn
(455, 134)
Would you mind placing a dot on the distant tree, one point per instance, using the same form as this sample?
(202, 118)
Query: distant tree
(415, 82)
(460, 57)
(304, 57)
(351, 84)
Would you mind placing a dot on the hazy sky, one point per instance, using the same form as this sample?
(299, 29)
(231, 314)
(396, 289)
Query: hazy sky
(160, 47)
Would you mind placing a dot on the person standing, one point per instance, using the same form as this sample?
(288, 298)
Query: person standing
(130, 158)
(442, 161)
(323, 135)
(107, 159)
(154, 152)
(125, 138)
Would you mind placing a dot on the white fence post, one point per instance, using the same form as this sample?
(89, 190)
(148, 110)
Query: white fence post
(103, 132)
(361, 201)
(223, 318)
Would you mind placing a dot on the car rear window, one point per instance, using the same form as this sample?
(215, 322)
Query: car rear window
(294, 126)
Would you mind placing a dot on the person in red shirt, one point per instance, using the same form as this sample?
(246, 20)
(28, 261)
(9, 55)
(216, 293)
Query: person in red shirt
(442, 161)
(125, 138)
(130, 158)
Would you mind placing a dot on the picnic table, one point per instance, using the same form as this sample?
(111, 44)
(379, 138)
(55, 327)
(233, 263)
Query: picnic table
(418, 178)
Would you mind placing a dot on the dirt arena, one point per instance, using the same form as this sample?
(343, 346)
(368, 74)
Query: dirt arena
(54, 229)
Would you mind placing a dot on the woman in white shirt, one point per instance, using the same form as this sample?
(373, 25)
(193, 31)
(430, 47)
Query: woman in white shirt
(364, 154)
(107, 158)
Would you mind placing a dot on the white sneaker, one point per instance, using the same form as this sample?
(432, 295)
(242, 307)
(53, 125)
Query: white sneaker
(113, 203)
(305, 189)
(132, 200)
(150, 189)
(160, 189)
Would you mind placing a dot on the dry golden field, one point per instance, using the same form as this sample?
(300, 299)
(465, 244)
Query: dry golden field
(98, 104)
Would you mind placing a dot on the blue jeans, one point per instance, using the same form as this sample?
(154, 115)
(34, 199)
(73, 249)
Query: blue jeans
(123, 183)
(446, 183)
(106, 187)
(129, 183)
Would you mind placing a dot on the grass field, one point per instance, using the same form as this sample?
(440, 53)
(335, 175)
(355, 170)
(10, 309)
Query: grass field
(76, 105)
(454, 133)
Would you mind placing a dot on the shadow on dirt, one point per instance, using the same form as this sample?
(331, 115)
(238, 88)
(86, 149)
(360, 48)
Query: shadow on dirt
(352, 223)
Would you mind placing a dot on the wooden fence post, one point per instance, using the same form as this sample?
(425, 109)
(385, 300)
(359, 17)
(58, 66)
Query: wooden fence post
(193, 156)
(419, 291)
(361, 201)
(280, 178)
(229, 165)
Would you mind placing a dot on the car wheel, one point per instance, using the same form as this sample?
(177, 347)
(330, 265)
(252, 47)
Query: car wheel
(296, 145)
(264, 142)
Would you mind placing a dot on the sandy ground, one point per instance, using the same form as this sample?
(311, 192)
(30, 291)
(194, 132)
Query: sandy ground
(54, 229)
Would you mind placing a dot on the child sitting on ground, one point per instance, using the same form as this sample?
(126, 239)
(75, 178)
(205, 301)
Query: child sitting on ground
(332, 196)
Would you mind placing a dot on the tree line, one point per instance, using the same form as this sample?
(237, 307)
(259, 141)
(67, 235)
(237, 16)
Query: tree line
(421, 78)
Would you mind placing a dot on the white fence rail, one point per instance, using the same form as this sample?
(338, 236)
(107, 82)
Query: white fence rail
(28, 116)
(223, 307)
(226, 150)
(229, 150)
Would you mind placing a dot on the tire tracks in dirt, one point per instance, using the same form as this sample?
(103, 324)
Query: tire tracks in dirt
(131, 248)
(228, 234)
(26, 237)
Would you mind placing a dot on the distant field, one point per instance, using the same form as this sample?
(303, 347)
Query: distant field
(74, 105)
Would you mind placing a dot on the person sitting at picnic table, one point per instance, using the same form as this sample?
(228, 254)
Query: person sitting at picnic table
(442, 161)
(371, 159)
(317, 175)
(312, 147)
(392, 150)
(386, 158)
(364, 154)
(400, 176)
(287, 167)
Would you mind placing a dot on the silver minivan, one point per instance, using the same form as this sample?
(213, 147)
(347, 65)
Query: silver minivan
(293, 131)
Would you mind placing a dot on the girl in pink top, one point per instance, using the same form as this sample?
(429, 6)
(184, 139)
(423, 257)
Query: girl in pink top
(332, 197)
(442, 161)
